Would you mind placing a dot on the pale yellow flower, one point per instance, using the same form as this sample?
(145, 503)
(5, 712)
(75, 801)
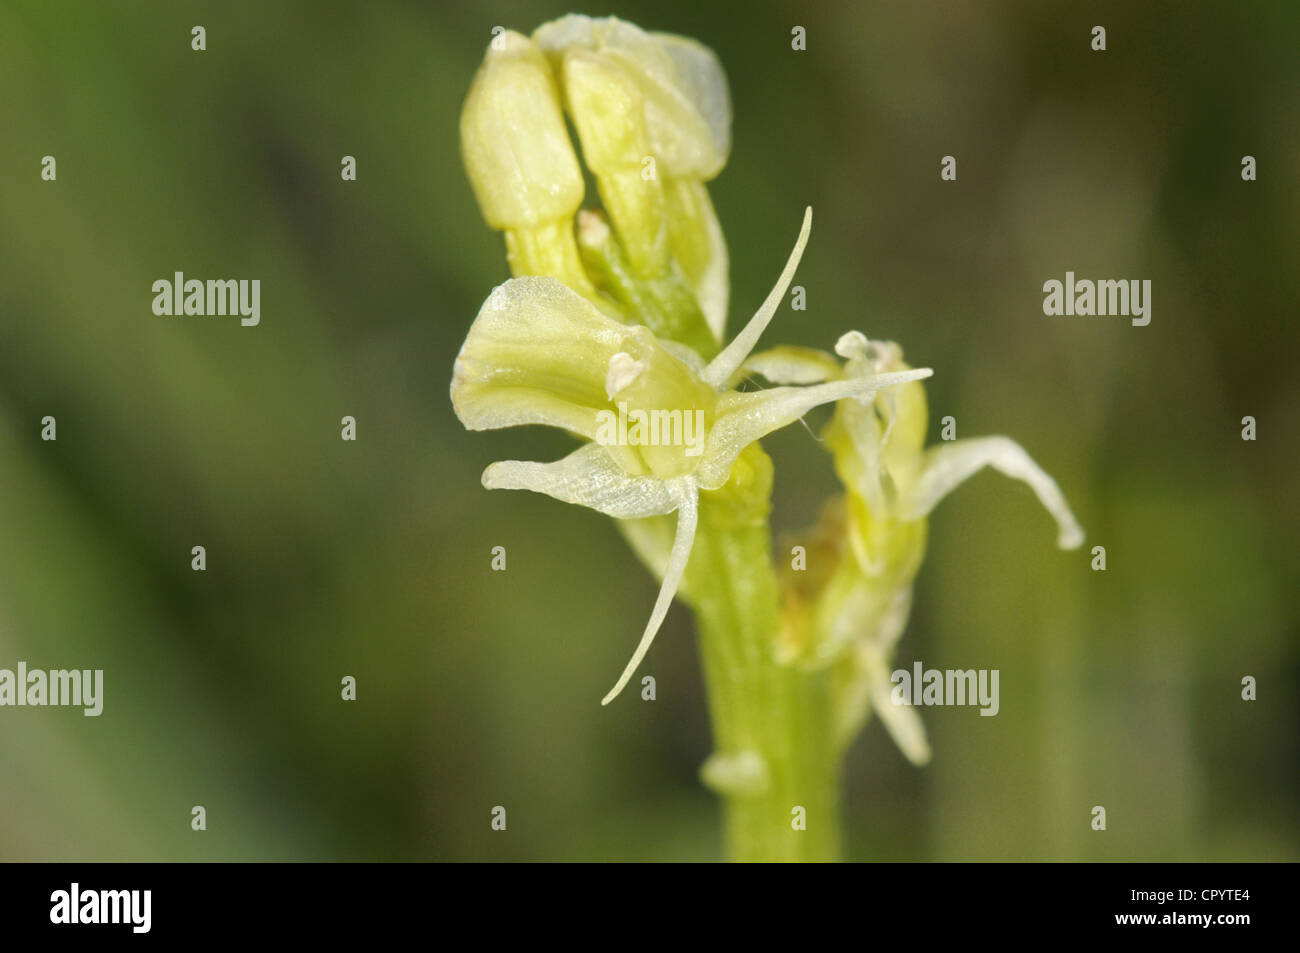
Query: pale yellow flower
(538, 353)
(892, 484)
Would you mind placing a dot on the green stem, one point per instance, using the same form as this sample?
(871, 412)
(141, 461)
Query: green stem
(776, 764)
(760, 707)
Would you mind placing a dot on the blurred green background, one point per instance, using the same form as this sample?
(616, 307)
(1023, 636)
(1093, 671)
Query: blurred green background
(371, 558)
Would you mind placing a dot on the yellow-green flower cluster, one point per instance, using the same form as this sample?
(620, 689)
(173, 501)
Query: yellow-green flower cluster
(851, 614)
(653, 117)
(623, 310)
(539, 353)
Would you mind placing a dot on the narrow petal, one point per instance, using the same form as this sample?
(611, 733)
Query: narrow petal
(864, 472)
(686, 498)
(651, 540)
(947, 467)
(587, 477)
(859, 671)
(901, 721)
(733, 355)
(744, 418)
(792, 365)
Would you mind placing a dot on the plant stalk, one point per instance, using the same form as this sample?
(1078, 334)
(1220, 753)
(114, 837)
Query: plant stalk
(759, 706)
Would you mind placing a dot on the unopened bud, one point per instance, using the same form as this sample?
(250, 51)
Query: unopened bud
(516, 149)
(608, 112)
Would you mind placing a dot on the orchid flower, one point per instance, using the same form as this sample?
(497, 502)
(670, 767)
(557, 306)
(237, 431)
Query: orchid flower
(539, 353)
(892, 484)
(617, 313)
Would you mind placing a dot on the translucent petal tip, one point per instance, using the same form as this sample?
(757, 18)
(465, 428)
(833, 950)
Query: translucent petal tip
(687, 517)
(733, 355)
(947, 467)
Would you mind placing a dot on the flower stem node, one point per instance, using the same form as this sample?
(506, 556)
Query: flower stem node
(743, 774)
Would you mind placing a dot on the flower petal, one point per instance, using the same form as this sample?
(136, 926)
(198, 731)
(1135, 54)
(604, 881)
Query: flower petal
(901, 721)
(733, 355)
(744, 418)
(792, 365)
(587, 477)
(686, 499)
(538, 353)
(947, 467)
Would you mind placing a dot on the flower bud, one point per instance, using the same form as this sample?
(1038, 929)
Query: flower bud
(608, 112)
(698, 141)
(516, 149)
(681, 82)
